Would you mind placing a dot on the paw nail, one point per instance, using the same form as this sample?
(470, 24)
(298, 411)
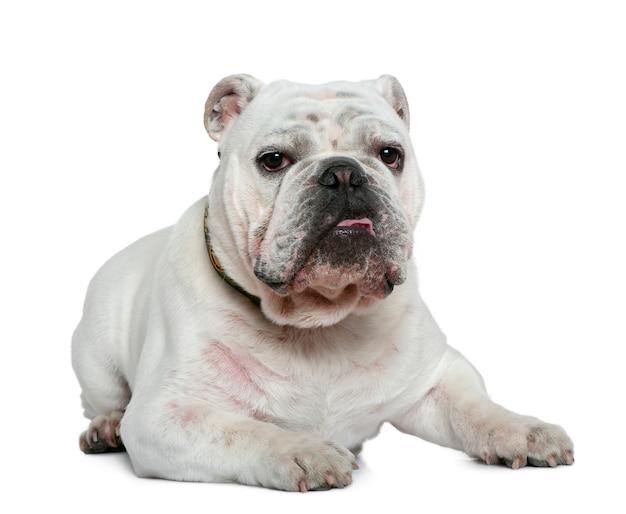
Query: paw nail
(552, 462)
(302, 486)
(355, 466)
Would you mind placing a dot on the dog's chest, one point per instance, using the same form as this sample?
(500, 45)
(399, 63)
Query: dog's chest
(325, 382)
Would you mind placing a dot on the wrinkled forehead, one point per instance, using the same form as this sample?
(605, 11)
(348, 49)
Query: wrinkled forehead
(327, 101)
(287, 110)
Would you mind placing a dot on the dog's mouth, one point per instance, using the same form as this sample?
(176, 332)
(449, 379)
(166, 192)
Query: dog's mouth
(362, 224)
(348, 254)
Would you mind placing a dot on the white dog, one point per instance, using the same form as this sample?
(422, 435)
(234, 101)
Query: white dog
(271, 331)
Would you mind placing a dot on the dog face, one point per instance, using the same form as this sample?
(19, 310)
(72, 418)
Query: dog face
(319, 190)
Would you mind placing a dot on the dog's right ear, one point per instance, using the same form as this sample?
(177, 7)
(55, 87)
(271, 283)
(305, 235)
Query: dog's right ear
(226, 101)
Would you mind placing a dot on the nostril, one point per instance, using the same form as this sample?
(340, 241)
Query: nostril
(328, 179)
(357, 179)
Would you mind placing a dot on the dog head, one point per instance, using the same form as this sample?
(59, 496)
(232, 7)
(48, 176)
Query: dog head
(317, 194)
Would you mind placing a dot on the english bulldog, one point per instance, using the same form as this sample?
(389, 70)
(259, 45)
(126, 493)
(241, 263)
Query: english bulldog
(278, 324)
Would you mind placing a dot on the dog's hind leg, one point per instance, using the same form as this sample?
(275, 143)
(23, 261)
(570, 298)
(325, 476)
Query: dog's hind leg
(107, 342)
(105, 391)
(103, 435)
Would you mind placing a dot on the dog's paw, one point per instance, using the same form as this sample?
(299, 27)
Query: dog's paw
(304, 463)
(103, 435)
(527, 441)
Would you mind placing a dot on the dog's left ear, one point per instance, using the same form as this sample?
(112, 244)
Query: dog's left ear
(226, 101)
(391, 90)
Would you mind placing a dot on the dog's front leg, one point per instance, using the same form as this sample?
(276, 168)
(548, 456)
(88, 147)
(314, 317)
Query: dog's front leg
(189, 441)
(457, 413)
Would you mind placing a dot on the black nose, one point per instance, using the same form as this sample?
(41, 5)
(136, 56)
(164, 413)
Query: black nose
(342, 173)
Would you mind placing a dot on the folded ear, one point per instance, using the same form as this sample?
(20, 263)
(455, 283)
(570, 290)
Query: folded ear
(226, 101)
(391, 90)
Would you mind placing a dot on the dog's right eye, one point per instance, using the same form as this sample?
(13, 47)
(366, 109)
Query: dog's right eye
(274, 161)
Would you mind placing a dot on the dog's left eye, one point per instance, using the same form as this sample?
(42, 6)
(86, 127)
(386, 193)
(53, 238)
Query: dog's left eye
(391, 157)
(274, 161)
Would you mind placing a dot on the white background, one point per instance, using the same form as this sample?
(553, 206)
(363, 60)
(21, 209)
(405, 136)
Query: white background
(519, 121)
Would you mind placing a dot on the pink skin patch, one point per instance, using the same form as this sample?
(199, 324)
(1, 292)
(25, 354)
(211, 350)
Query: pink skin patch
(235, 377)
(334, 133)
(363, 223)
(243, 371)
(323, 94)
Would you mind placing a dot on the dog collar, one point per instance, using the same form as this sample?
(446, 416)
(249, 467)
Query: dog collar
(218, 266)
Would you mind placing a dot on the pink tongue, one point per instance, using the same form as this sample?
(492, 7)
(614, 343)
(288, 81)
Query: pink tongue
(363, 223)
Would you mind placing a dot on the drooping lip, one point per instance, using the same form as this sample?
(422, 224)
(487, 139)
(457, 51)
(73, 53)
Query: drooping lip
(332, 239)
